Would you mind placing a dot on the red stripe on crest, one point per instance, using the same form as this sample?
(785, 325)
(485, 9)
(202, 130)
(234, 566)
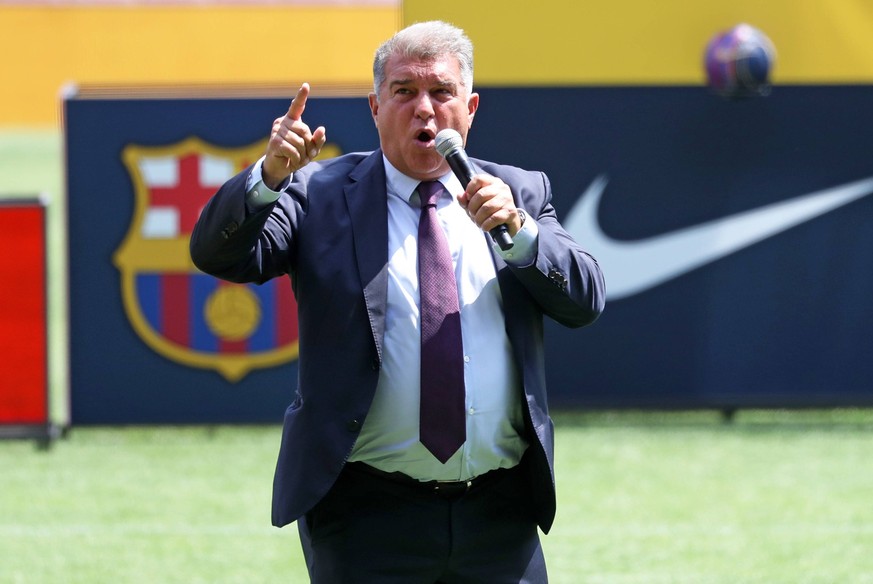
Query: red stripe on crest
(175, 298)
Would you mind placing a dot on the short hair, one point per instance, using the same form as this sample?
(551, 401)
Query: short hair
(426, 41)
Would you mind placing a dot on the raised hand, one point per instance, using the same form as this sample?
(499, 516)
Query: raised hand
(292, 144)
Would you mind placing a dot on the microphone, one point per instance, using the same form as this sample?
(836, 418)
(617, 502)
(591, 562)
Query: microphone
(450, 145)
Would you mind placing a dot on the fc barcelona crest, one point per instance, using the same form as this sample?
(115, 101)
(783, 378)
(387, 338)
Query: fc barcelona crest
(185, 315)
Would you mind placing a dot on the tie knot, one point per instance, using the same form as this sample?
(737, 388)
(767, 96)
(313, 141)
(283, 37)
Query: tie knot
(429, 192)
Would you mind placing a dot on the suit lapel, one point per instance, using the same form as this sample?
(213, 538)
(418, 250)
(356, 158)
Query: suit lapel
(367, 201)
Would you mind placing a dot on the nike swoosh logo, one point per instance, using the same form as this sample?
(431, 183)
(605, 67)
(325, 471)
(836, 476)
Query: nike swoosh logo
(631, 267)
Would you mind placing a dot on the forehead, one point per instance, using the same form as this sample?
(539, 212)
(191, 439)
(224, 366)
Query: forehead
(405, 69)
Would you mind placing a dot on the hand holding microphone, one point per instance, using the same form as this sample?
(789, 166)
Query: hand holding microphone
(451, 146)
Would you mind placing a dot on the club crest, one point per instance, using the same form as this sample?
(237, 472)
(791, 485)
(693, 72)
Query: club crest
(184, 315)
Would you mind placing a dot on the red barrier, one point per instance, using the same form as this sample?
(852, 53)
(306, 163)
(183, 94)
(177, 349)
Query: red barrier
(24, 404)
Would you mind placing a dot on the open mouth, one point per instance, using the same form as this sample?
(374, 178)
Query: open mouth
(425, 137)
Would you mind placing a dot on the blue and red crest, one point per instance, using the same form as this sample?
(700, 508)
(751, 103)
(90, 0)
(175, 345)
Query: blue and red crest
(189, 317)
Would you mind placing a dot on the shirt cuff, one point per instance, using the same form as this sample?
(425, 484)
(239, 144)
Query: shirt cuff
(258, 194)
(524, 245)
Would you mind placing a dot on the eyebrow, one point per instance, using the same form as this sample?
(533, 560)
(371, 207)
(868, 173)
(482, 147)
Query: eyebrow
(407, 81)
(399, 82)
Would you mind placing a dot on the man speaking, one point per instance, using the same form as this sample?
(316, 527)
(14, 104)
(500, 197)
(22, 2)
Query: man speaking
(418, 447)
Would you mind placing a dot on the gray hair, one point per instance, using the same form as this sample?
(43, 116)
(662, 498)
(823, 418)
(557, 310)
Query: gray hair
(426, 41)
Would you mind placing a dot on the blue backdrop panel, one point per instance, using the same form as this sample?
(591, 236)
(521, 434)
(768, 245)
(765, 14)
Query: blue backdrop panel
(115, 376)
(778, 320)
(783, 322)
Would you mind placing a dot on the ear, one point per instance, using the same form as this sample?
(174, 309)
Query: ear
(374, 108)
(472, 106)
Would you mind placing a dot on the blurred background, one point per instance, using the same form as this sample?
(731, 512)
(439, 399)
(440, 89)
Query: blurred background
(728, 207)
(101, 92)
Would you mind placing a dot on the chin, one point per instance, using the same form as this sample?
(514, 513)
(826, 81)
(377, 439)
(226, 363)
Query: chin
(427, 169)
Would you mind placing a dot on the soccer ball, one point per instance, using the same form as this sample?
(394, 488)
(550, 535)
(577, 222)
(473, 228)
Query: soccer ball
(738, 62)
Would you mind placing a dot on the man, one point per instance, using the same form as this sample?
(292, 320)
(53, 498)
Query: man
(383, 489)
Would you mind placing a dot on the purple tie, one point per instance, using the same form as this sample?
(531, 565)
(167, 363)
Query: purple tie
(442, 424)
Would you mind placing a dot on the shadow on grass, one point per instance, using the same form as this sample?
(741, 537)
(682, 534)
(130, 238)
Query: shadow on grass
(751, 420)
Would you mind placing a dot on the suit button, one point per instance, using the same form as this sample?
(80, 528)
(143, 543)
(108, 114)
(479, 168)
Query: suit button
(375, 364)
(557, 278)
(353, 426)
(230, 229)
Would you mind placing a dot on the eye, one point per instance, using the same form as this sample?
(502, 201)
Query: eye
(443, 93)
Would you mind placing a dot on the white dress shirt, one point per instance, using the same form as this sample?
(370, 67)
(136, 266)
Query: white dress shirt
(389, 438)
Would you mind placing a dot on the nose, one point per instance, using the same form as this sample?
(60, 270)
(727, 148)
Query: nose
(424, 107)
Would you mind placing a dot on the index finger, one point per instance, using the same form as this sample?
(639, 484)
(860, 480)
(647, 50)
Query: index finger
(298, 104)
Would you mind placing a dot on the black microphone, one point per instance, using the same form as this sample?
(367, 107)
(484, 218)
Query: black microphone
(451, 146)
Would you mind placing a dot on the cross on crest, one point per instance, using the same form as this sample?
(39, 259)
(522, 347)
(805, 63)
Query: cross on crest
(180, 201)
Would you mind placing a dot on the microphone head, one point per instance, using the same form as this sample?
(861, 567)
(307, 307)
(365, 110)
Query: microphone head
(449, 141)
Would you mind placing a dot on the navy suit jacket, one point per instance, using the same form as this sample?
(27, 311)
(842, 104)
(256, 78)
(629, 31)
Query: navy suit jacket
(329, 232)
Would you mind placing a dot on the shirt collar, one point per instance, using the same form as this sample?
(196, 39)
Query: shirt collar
(404, 186)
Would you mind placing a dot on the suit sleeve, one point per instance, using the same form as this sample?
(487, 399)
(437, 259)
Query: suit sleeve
(564, 280)
(234, 244)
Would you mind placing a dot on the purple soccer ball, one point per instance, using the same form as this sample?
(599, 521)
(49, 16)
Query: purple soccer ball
(738, 62)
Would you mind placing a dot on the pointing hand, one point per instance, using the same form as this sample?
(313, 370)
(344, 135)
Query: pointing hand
(292, 144)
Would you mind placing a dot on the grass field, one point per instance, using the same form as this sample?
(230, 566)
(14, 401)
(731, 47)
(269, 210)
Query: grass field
(773, 497)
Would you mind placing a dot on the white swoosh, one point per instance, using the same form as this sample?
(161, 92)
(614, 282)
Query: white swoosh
(631, 267)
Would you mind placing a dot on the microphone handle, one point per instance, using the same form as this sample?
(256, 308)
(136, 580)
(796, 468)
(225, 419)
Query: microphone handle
(460, 165)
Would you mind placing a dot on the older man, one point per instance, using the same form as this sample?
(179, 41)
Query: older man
(419, 448)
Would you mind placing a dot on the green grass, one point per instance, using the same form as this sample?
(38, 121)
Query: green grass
(774, 497)
(144, 505)
(30, 162)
